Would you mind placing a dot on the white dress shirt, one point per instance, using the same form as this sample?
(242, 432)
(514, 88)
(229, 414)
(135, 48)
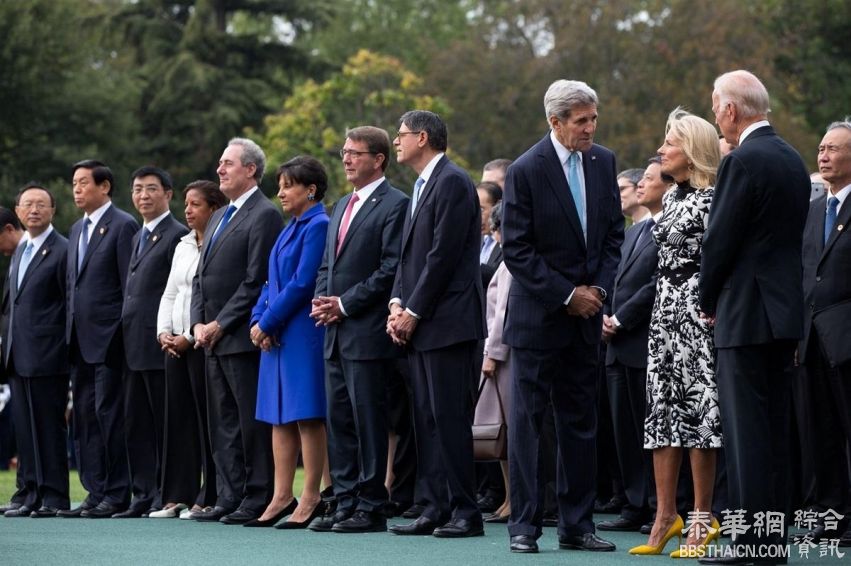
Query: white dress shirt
(173, 314)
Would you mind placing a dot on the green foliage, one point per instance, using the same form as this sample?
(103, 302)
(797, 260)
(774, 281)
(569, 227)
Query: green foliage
(371, 90)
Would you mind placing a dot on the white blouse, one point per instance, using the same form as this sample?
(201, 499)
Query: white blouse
(173, 316)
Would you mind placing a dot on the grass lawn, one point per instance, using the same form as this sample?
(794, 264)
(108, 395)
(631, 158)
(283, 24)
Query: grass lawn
(7, 485)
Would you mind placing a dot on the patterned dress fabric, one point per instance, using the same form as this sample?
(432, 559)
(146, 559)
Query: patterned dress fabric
(682, 399)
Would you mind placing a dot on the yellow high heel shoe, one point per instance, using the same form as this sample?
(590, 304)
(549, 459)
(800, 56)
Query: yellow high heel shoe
(699, 551)
(676, 530)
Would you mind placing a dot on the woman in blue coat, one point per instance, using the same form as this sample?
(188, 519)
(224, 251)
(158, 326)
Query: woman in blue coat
(291, 387)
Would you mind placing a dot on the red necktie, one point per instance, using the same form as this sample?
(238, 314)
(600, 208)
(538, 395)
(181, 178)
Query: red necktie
(347, 217)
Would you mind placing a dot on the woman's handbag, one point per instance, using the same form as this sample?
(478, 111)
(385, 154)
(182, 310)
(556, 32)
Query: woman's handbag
(490, 440)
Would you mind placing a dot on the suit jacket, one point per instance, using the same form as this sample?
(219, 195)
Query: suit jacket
(362, 274)
(34, 331)
(95, 294)
(145, 285)
(489, 268)
(231, 273)
(438, 276)
(545, 250)
(827, 265)
(633, 298)
(750, 274)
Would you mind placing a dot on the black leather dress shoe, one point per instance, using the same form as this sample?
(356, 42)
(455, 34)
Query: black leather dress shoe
(549, 521)
(288, 510)
(10, 506)
(212, 515)
(103, 510)
(612, 506)
(461, 528)
(238, 517)
(815, 535)
(362, 522)
(130, 513)
(620, 524)
(413, 512)
(324, 523)
(44, 512)
(22, 511)
(494, 518)
(845, 539)
(588, 541)
(646, 528)
(487, 503)
(524, 544)
(74, 513)
(421, 526)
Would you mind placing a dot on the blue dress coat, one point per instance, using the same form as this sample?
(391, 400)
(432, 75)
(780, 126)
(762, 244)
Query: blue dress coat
(291, 385)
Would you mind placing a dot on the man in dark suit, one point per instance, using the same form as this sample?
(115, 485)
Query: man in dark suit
(490, 255)
(352, 291)
(437, 311)
(35, 356)
(98, 257)
(827, 290)
(625, 329)
(233, 266)
(562, 231)
(144, 389)
(750, 287)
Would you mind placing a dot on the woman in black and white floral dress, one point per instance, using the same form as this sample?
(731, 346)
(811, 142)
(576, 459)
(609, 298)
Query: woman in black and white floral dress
(682, 401)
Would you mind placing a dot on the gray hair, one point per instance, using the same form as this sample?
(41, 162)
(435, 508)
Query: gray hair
(251, 153)
(632, 175)
(563, 96)
(745, 92)
(846, 123)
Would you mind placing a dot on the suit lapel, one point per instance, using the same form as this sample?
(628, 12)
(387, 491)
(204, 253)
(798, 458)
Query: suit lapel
(558, 184)
(154, 239)
(208, 235)
(99, 232)
(425, 193)
(234, 221)
(842, 220)
(365, 210)
(589, 162)
(40, 256)
(13, 274)
(628, 244)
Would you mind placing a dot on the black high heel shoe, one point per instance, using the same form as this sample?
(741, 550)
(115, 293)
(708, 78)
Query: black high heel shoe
(317, 511)
(288, 510)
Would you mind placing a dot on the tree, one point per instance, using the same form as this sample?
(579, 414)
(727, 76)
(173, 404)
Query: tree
(371, 89)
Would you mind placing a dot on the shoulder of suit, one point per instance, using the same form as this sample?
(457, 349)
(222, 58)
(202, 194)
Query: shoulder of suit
(122, 214)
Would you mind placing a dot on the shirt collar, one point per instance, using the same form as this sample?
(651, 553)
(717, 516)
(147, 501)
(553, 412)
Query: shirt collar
(425, 175)
(562, 152)
(98, 214)
(39, 240)
(750, 129)
(156, 221)
(841, 194)
(366, 191)
(244, 197)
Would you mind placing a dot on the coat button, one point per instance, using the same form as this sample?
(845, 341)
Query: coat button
(818, 278)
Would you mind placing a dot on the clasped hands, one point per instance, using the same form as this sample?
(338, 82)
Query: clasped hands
(207, 335)
(173, 344)
(585, 302)
(326, 310)
(262, 340)
(400, 325)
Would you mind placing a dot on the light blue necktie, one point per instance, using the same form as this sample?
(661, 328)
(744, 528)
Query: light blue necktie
(83, 245)
(830, 217)
(143, 241)
(573, 173)
(417, 186)
(221, 228)
(25, 262)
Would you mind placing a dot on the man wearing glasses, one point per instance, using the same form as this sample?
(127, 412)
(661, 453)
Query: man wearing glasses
(352, 291)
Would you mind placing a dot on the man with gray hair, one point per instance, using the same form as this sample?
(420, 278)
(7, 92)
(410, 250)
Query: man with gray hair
(628, 185)
(562, 229)
(750, 289)
(231, 271)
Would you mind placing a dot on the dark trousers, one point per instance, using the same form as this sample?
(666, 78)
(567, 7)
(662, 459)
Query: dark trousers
(754, 384)
(627, 388)
(98, 414)
(144, 417)
(242, 445)
(830, 394)
(567, 378)
(187, 456)
(357, 431)
(443, 420)
(609, 483)
(40, 431)
(401, 415)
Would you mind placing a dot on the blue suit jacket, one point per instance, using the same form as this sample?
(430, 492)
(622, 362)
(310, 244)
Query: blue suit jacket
(95, 294)
(545, 250)
(35, 330)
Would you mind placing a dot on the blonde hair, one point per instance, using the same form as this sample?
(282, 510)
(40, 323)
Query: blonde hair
(699, 142)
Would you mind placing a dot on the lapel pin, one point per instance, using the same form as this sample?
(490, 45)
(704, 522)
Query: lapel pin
(43, 252)
(593, 158)
(155, 238)
(102, 230)
(839, 228)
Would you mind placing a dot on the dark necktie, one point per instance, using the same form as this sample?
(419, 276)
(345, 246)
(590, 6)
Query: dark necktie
(143, 241)
(83, 244)
(221, 228)
(830, 217)
(347, 219)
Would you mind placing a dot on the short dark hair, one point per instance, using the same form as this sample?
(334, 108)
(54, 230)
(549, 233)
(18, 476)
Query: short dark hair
(35, 185)
(210, 192)
(100, 172)
(9, 217)
(306, 170)
(376, 139)
(430, 123)
(492, 189)
(496, 217)
(501, 164)
(631, 175)
(161, 174)
(658, 160)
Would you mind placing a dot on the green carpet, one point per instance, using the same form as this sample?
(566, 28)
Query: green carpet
(129, 542)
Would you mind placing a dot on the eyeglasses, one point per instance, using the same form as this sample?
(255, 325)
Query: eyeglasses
(400, 134)
(35, 205)
(352, 153)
